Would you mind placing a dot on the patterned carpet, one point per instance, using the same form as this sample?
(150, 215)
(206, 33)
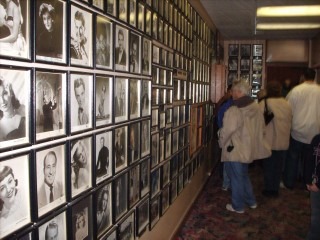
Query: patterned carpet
(284, 218)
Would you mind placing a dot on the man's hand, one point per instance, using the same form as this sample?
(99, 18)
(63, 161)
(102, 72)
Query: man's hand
(312, 187)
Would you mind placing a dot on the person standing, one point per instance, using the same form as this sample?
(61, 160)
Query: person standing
(47, 108)
(242, 141)
(103, 159)
(304, 100)
(79, 92)
(277, 136)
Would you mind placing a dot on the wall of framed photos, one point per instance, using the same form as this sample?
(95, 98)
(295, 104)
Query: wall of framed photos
(245, 60)
(95, 107)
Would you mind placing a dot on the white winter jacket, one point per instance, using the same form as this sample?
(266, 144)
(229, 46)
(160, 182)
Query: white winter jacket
(243, 128)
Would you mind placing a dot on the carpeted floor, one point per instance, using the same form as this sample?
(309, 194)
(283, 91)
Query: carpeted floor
(284, 218)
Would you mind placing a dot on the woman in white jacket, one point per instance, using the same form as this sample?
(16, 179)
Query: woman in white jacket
(277, 136)
(242, 141)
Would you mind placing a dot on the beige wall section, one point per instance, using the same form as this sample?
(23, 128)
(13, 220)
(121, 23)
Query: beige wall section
(315, 52)
(170, 222)
(287, 51)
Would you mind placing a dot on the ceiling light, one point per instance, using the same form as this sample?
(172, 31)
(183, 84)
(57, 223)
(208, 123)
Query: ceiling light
(289, 11)
(286, 26)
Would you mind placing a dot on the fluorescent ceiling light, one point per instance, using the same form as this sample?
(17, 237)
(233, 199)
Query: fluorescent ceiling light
(286, 26)
(289, 11)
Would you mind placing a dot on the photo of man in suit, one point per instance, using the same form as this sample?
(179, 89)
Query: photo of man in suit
(145, 57)
(51, 189)
(120, 54)
(79, 91)
(103, 159)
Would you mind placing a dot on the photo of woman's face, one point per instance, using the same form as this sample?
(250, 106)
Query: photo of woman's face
(7, 189)
(47, 21)
(5, 98)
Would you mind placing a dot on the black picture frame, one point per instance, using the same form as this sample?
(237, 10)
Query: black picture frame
(154, 211)
(134, 193)
(104, 211)
(144, 177)
(155, 182)
(134, 142)
(98, 4)
(148, 23)
(165, 174)
(146, 57)
(257, 50)
(145, 98)
(256, 79)
(120, 195)
(245, 64)
(123, 10)
(257, 65)
(111, 7)
(165, 199)
(121, 53)
(232, 76)
(154, 150)
(233, 50)
(134, 105)
(173, 190)
(57, 226)
(145, 138)
(103, 96)
(142, 220)
(121, 87)
(245, 50)
(133, 13)
(120, 148)
(155, 25)
(154, 118)
(141, 16)
(126, 228)
(233, 64)
(135, 53)
(167, 143)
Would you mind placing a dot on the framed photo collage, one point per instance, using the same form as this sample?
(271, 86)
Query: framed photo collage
(94, 121)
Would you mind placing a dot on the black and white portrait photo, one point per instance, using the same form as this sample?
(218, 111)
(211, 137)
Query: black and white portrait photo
(245, 50)
(145, 98)
(121, 99)
(168, 143)
(132, 12)
(80, 158)
(14, 28)
(141, 16)
(81, 37)
(233, 50)
(165, 173)
(155, 54)
(165, 199)
(155, 25)
(162, 120)
(148, 22)
(98, 4)
(154, 150)
(51, 31)
(134, 142)
(245, 64)
(127, 228)
(155, 182)
(155, 117)
(134, 176)
(55, 228)
(111, 7)
(145, 138)
(103, 156)
(104, 209)
(50, 178)
(135, 59)
(50, 104)
(14, 107)
(161, 150)
(146, 57)
(143, 216)
(14, 195)
(81, 101)
(120, 148)
(233, 64)
(145, 177)
(81, 220)
(173, 190)
(104, 99)
(104, 43)
(154, 211)
(120, 195)
(121, 49)
(134, 98)
(123, 10)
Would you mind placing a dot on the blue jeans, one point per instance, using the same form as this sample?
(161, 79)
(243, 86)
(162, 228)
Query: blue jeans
(272, 168)
(241, 188)
(296, 151)
(226, 180)
(314, 231)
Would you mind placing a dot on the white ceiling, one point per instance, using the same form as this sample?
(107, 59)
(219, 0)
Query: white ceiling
(235, 19)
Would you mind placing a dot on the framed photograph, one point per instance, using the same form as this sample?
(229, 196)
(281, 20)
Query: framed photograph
(180, 182)
(155, 54)
(111, 7)
(257, 65)
(120, 195)
(155, 182)
(154, 150)
(121, 48)
(142, 216)
(15, 107)
(146, 57)
(161, 150)
(233, 64)
(148, 22)
(103, 156)
(98, 3)
(145, 138)
(110, 235)
(141, 17)
(162, 120)
(120, 148)
(81, 89)
(155, 117)
(81, 219)
(134, 193)
(135, 53)
(134, 142)
(121, 99)
(51, 185)
(103, 92)
(155, 5)
(176, 116)
(81, 37)
(175, 141)
(104, 43)
(51, 31)
(154, 211)
(232, 77)
(174, 166)
(245, 50)
(173, 190)
(55, 228)
(134, 102)
(81, 165)
(15, 209)
(256, 79)
(162, 76)
(145, 98)
(165, 199)
(123, 10)
(133, 13)
(155, 26)
(257, 50)
(126, 228)
(168, 143)
(160, 30)
(155, 75)
(15, 43)
(233, 50)
(104, 209)
(245, 64)
(50, 104)
(155, 96)
(144, 177)
(165, 174)
(163, 58)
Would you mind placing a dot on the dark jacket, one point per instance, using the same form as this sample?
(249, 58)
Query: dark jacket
(313, 163)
